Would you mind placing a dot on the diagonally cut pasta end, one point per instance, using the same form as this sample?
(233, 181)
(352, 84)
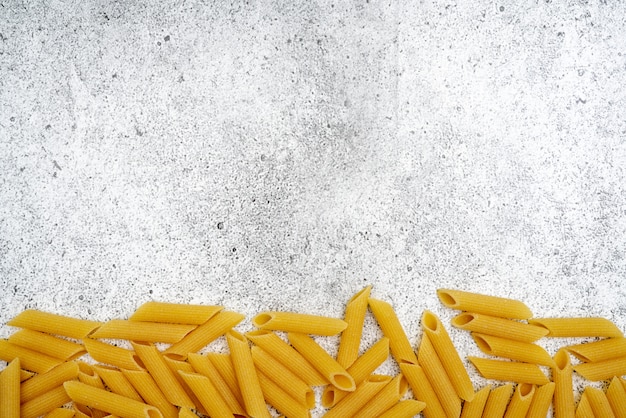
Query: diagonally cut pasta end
(343, 381)
(446, 297)
(462, 320)
(430, 321)
(561, 359)
(262, 319)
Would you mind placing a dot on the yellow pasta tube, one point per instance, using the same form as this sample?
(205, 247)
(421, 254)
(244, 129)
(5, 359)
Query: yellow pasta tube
(563, 389)
(422, 390)
(142, 331)
(578, 327)
(386, 398)
(500, 327)
(246, 375)
(186, 413)
(359, 370)
(150, 392)
(60, 413)
(438, 378)
(43, 403)
(283, 377)
(322, 361)
(54, 324)
(616, 395)
(520, 402)
(25, 375)
(448, 355)
(542, 399)
(301, 323)
(602, 370)
(583, 410)
(10, 390)
(509, 371)
(224, 366)
(514, 350)
(116, 381)
(351, 337)
(209, 397)
(354, 401)
(497, 401)
(109, 354)
(278, 398)
(392, 329)
(177, 366)
(215, 327)
(29, 359)
(174, 313)
(404, 409)
(203, 365)
(163, 376)
(110, 402)
(484, 304)
(287, 355)
(599, 350)
(47, 344)
(45, 382)
(88, 376)
(599, 403)
(475, 407)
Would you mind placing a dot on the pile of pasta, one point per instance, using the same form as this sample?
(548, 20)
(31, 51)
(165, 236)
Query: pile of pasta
(68, 367)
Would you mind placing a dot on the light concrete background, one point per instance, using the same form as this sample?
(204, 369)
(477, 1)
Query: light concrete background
(282, 155)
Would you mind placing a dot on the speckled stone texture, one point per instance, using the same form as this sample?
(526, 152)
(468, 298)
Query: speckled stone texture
(282, 155)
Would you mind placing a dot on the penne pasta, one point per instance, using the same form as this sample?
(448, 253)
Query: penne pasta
(142, 331)
(602, 370)
(29, 359)
(177, 366)
(563, 389)
(147, 388)
(42, 383)
(404, 409)
(520, 402)
(322, 361)
(186, 413)
(392, 329)
(115, 356)
(224, 366)
(247, 378)
(207, 394)
(448, 355)
(10, 390)
(301, 323)
(509, 371)
(514, 350)
(110, 402)
(60, 413)
(204, 334)
(616, 395)
(44, 403)
(203, 365)
(354, 401)
(499, 327)
(385, 399)
(542, 399)
(54, 324)
(497, 401)
(163, 376)
(283, 377)
(47, 344)
(280, 400)
(599, 350)
(283, 352)
(174, 313)
(25, 375)
(475, 407)
(360, 370)
(351, 337)
(422, 390)
(116, 381)
(578, 327)
(88, 376)
(599, 403)
(438, 378)
(484, 304)
(583, 410)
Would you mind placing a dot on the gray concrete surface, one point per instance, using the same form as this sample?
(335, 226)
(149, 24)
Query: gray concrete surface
(282, 155)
